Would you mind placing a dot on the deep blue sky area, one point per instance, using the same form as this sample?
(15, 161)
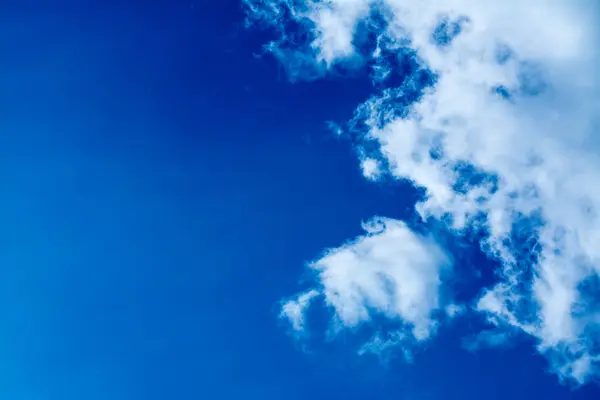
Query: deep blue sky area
(162, 189)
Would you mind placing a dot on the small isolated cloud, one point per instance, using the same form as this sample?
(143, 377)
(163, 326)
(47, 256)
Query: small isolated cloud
(496, 116)
(455, 310)
(334, 128)
(389, 271)
(490, 338)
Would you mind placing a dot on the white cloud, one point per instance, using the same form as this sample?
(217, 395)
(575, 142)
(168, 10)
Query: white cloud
(294, 310)
(516, 99)
(335, 23)
(390, 271)
(455, 310)
(370, 168)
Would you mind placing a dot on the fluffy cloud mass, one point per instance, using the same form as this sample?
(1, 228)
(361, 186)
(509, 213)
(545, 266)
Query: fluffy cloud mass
(498, 122)
(390, 270)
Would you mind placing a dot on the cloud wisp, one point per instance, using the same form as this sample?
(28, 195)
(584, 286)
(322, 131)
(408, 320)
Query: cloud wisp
(502, 135)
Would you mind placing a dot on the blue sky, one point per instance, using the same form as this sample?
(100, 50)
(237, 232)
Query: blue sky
(164, 189)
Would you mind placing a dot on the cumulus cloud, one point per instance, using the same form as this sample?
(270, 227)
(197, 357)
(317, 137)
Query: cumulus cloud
(503, 137)
(389, 271)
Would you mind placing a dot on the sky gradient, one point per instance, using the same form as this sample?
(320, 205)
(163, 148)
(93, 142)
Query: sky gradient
(165, 186)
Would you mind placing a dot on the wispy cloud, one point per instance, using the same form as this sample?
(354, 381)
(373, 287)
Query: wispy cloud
(294, 310)
(488, 338)
(502, 135)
